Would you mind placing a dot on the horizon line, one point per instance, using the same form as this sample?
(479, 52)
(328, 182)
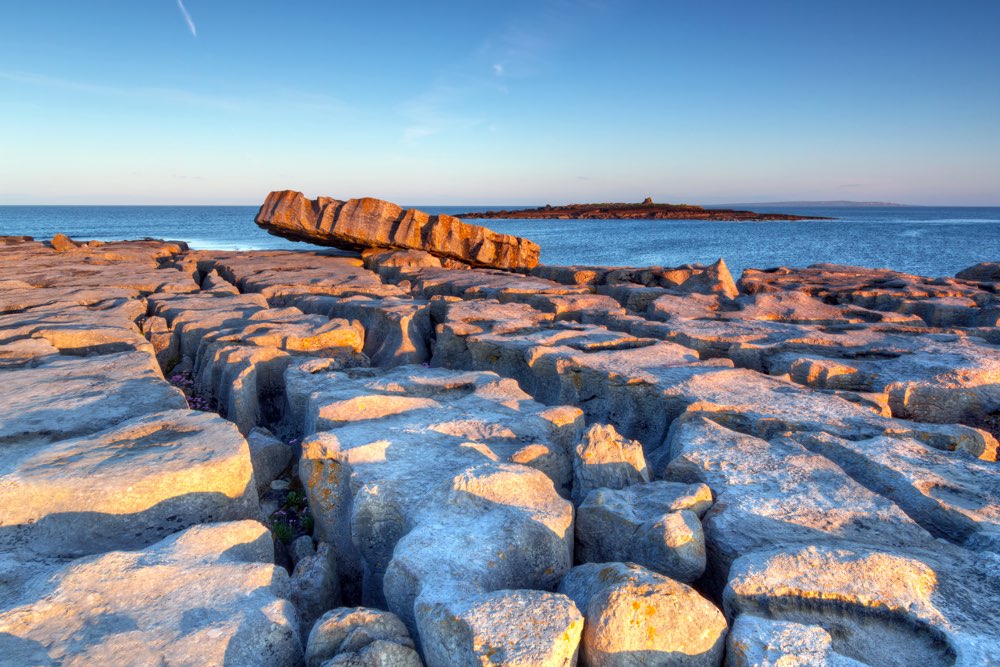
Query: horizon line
(803, 203)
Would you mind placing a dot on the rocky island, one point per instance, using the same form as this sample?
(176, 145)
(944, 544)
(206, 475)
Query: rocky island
(647, 210)
(426, 448)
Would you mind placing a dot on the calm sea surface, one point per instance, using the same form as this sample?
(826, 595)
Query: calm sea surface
(924, 240)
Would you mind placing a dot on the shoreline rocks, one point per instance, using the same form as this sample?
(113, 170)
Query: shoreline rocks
(806, 457)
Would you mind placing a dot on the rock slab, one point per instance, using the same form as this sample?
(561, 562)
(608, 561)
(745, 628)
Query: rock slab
(359, 224)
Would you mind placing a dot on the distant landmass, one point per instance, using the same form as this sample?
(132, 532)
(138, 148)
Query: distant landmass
(840, 203)
(646, 210)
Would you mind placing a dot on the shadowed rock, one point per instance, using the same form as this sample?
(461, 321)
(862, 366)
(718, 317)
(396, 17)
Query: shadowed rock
(656, 525)
(360, 636)
(758, 642)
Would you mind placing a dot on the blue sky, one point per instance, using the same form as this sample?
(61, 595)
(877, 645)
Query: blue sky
(545, 101)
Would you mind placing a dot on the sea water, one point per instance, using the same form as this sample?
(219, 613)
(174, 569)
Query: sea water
(932, 241)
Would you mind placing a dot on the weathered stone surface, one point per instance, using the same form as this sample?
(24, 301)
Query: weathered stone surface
(482, 284)
(208, 595)
(758, 642)
(778, 494)
(583, 308)
(936, 378)
(122, 488)
(240, 348)
(372, 223)
(655, 525)
(686, 279)
(63, 397)
(508, 627)
(347, 631)
(315, 587)
(938, 301)
(396, 331)
(144, 266)
(881, 608)
(379, 653)
(951, 494)
(443, 491)
(390, 264)
(282, 276)
(436, 486)
(213, 282)
(984, 272)
(637, 617)
(604, 459)
(300, 548)
(500, 527)
(766, 406)
(613, 375)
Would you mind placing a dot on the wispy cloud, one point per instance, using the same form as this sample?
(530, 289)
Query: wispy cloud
(520, 49)
(289, 100)
(432, 112)
(187, 18)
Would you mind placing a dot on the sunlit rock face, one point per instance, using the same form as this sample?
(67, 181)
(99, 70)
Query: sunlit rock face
(208, 595)
(506, 627)
(813, 453)
(124, 487)
(637, 617)
(373, 223)
(604, 459)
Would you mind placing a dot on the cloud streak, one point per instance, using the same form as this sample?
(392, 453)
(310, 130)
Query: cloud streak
(290, 99)
(187, 18)
(520, 49)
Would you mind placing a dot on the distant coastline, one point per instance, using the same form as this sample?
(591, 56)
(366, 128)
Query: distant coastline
(647, 210)
(840, 203)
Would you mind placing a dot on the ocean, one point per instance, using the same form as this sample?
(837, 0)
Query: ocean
(931, 241)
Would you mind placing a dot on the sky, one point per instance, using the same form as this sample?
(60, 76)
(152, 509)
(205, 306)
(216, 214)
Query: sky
(514, 102)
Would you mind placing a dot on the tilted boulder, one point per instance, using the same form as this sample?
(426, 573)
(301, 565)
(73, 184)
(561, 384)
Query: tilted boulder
(374, 223)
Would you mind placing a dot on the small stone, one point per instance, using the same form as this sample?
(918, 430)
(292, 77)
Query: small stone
(315, 587)
(269, 456)
(347, 631)
(302, 547)
(62, 243)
